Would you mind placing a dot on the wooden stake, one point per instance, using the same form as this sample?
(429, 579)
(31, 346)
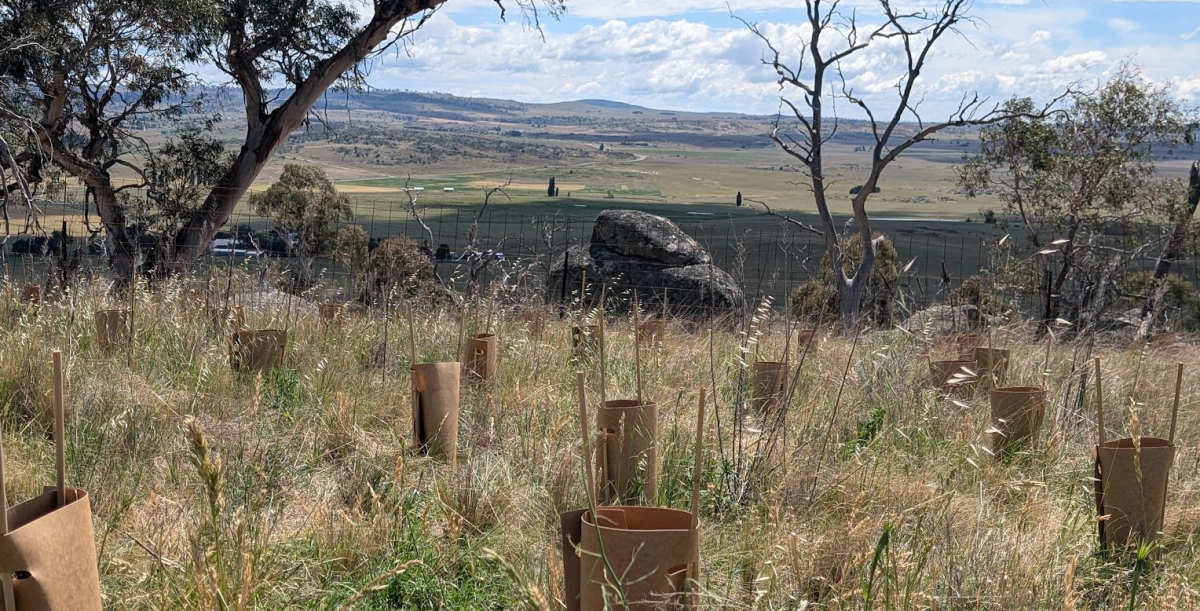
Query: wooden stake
(491, 308)
(287, 313)
(10, 603)
(412, 337)
(603, 358)
(462, 329)
(1099, 403)
(60, 461)
(587, 454)
(1175, 406)
(582, 288)
(1046, 361)
(637, 348)
(699, 460)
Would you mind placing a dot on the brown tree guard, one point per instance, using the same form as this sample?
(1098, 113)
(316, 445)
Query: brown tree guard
(113, 328)
(50, 538)
(481, 357)
(435, 407)
(234, 317)
(634, 558)
(991, 366)
(31, 294)
(950, 375)
(587, 337)
(1017, 413)
(1131, 485)
(332, 312)
(768, 380)
(257, 351)
(628, 448)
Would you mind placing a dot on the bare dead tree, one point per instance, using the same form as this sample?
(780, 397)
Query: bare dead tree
(478, 261)
(1171, 250)
(817, 80)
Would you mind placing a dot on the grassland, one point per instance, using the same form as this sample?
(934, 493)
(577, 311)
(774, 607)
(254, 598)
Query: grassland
(300, 489)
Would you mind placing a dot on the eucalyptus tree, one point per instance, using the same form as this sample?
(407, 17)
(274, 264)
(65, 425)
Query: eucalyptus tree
(1086, 171)
(89, 73)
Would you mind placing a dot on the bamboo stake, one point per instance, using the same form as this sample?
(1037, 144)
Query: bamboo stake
(603, 358)
(1099, 403)
(1046, 361)
(462, 329)
(587, 455)
(582, 288)
(60, 461)
(491, 309)
(10, 603)
(1175, 406)
(637, 348)
(699, 459)
(412, 337)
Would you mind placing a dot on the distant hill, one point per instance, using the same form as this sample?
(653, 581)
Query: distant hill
(610, 104)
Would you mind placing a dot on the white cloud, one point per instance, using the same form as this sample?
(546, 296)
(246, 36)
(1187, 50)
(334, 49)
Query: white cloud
(697, 63)
(1190, 35)
(1124, 26)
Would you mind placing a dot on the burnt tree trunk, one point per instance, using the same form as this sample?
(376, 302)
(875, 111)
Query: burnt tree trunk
(1170, 251)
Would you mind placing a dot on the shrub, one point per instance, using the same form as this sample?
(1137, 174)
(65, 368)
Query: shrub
(399, 263)
(819, 295)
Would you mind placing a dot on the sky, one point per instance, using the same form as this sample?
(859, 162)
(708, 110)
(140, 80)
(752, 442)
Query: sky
(694, 55)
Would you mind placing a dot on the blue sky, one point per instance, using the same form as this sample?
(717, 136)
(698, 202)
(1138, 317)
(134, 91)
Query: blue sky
(692, 55)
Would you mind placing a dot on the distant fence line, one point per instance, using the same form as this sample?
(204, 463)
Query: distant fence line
(767, 261)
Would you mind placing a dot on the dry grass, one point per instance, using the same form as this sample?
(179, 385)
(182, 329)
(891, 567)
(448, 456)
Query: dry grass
(299, 490)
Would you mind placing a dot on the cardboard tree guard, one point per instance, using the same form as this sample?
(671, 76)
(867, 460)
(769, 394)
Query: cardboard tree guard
(586, 337)
(435, 409)
(967, 343)
(332, 312)
(257, 351)
(651, 331)
(56, 547)
(989, 363)
(112, 328)
(481, 356)
(235, 316)
(1017, 415)
(652, 550)
(536, 319)
(31, 294)
(767, 386)
(628, 449)
(951, 375)
(1131, 488)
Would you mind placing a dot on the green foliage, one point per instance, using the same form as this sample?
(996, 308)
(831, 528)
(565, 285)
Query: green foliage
(352, 249)
(305, 208)
(1181, 298)
(819, 295)
(397, 263)
(180, 175)
(550, 190)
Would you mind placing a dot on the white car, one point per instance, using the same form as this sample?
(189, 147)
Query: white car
(225, 247)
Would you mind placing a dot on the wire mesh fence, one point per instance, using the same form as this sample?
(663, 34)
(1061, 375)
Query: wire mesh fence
(766, 260)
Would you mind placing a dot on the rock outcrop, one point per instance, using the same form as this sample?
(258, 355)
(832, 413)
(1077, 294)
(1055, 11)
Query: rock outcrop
(633, 250)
